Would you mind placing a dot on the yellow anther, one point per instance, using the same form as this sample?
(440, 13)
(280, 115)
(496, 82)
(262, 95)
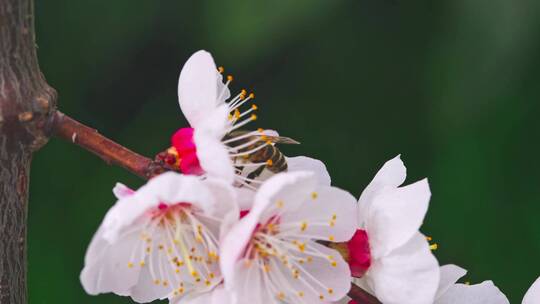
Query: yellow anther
(160, 247)
(321, 297)
(266, 268)
(302, 247)
(279, 204)
(330, 291)
(177, 270)
(300, 294)
(251, 95)
(142, 263)
(332, 223)
(281, 295)
(260, 130)
(243, 93)
(334, 217)
(236, 114)
(254, 107)
(148, 249)
(211, 275)
(197, 280)
(268, 142)
(181, 290)
(303, 226)
(253, 117)
(333, 263)
(467, 283)
(207, 282)
(309, 259)
(221, 69)
(172, 151)
(314, 195)
(429, 239)
(130, 265)
(331, 238)
(433, 246)
(194, 273)
(156, 282)
(230, 78)
(165, 283)
(264, 137)
(301, 261)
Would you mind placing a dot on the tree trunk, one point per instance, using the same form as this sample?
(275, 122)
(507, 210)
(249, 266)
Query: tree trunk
(26, 105)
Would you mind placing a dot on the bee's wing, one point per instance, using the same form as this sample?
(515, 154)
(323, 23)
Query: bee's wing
(282, 140)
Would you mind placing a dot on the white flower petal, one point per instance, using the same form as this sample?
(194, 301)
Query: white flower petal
(216, 122)
(169, 188)
(332, 282)
(303, 163)
(233, 245)
(483, 293)
(327, 214)
(316, 281)
(409, 275)
(533, 294)
(450, 274)
(247, 286)
(246, 197)
(286, 187)
(197, 89)
(284, 193)
(106, 265)
(213, 156)
(222, 90)
(391, 175)
(217, 296)
(121, 191)
(395, 216)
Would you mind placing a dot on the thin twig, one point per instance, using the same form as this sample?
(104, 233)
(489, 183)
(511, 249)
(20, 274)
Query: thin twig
(111, 152)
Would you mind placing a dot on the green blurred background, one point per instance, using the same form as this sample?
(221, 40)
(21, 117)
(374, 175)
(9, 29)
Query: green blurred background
(451, 85)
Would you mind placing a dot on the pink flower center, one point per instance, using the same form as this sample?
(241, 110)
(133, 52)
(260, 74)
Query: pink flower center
(359, 253)
(182, 141)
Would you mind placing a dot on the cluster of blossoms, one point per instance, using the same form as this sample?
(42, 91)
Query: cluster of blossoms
(241, 223)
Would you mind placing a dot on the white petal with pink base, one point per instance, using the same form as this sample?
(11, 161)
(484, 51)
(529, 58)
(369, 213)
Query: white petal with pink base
(161, 241)
(392, 258)
(271, 255)
(216, 144)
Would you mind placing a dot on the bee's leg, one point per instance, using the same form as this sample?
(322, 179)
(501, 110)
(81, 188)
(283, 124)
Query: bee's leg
(256, 173)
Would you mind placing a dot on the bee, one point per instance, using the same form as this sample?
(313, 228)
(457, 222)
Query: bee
(263, 151)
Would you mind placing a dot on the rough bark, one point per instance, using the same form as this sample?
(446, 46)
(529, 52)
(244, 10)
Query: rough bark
(26, 102)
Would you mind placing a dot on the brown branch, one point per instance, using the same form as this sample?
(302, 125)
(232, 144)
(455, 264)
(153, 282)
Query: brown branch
(111, 152)
(360, 296)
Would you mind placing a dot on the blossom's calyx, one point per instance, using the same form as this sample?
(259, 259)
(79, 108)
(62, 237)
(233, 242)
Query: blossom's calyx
(272, 254)
(216, 144)
(356, 252)
(161, 241)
